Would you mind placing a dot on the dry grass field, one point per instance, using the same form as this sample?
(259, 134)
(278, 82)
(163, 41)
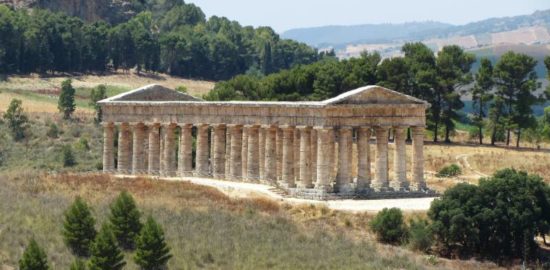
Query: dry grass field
(204, 228)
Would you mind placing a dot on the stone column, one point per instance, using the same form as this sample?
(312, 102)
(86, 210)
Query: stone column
(313, 155)
(345, 144)
(399, 159)
(363, 158)
(418, 182)
(279, 154)
(244, 152)
(380, 182)
(138, 159)
(154, 149)
(162, 162)
(261, 158)
(124, 159)
(323, 181)
(108, 144)
(296, 153)
(270, 154)
(218, 157)
(288, 157)
(236, 151)
(331, 150)
(185, 161)
(202, 168)
(227, 153)
(305, 158)
(169, 151)
(253, 155)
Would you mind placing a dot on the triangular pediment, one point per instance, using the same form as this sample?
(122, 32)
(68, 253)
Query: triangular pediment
(374, 94)
(153, 93)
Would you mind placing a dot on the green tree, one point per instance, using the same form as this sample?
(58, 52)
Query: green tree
(498, 219)
(124, 220)
(17, 119)
(420, 235)
(67, 156)
(105, 253)
(481, 94)
(152, 253)
(78, 228)
(34, 258)
(66, 104)
(453, 69)
(516, 82)
(78, 264)
(389, 226)
(98, 93)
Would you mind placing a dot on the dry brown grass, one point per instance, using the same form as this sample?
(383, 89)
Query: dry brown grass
(33, 105)
(130, 80)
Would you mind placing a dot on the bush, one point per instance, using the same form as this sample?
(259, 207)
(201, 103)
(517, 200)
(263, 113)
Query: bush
(53, 131)
(181, 89)
(389, 226)
(420, 235)
(449, 171)
(17, 120)
(68, 156)
(497, 219)
(82, 144)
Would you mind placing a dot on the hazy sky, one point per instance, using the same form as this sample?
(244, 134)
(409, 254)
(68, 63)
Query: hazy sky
(286, 14)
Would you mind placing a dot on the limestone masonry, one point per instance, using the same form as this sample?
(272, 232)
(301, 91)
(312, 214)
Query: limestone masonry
(304, 148)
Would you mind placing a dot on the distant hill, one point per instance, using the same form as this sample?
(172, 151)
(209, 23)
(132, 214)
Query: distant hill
(341, 36)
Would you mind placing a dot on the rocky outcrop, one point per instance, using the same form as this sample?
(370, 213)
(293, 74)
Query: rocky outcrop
(113, 11)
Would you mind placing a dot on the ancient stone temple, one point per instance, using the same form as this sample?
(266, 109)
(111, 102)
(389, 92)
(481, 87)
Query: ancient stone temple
(306, 148)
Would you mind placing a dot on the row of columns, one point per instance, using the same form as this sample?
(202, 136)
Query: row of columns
(288, 156)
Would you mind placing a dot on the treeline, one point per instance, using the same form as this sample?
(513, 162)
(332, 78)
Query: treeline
(503, 93)
(169, 36)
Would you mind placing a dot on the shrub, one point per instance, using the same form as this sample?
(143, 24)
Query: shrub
(449, 171)
(151, 250)
(83, 144)
(420, 235)
(497, 219)
(53, 131)
(34, 258)
(68, 156)
(124, 220)
(181, 89)
(78, 264)
(98, 93)
(105, 252)
(66, 104)
(78, 228)
(389, 226)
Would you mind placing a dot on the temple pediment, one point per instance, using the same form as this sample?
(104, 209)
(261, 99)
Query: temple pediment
(152, 93)
(373, 94)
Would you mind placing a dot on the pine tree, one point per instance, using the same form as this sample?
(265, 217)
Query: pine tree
(98, 94)
(481, 94)
(78, 264)
(68, 156)
(105, 252)
(34, 258)
(78, 228)
(125, 220)
(152, 253)
(16, 119)
(66, 104)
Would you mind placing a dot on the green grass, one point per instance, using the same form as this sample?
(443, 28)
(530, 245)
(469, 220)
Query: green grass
(112, 90)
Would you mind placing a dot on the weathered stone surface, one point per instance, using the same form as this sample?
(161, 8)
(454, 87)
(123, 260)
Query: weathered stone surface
(303, 147)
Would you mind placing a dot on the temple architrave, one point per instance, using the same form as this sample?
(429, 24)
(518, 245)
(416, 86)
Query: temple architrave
(304, 148)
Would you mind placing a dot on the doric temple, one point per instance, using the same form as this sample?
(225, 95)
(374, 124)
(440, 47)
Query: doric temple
(304, 148)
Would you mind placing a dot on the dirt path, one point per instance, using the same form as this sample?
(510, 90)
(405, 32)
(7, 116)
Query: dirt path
(463, 159)
(243, 190)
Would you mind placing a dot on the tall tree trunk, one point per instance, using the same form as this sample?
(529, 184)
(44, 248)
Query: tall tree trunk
(494, 136)
(508, 137)
(409, 138)
(447, 134)
(435, 130)
(480, 134)
(518, 138)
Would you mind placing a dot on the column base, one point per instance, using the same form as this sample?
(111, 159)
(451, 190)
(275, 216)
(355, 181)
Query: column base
(380, 187)
(324, 188)
(300, 185)
(419, 187)
(363, 187)
(287, 185)
(399, 185)
(348, 188)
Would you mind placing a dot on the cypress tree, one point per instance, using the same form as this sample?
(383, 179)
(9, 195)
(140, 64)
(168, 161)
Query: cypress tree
(152, 253)
(78, 228)
(66, 104)
(105, 253)
(34, 258)
(125, 221)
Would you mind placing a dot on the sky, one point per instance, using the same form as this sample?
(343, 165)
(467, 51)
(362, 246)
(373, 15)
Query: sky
(287, 14)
